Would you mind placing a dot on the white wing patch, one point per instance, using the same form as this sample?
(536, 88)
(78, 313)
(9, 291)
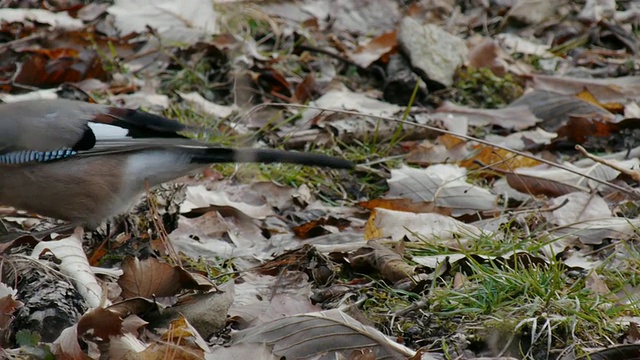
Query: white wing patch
(156, 167)
(108, 132)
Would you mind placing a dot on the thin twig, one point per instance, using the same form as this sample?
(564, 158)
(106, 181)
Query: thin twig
(633, 174)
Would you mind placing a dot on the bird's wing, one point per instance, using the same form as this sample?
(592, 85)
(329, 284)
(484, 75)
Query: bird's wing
(45, 130)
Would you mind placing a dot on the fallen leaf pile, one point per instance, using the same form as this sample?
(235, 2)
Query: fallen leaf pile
(493, 212)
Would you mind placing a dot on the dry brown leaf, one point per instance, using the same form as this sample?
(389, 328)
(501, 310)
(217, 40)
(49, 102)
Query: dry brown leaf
(488, 54)
(496, 159)
(596, 231)
(554, 108)
(331, 331)
(319, 227)
(387, 262)
(102, 322)
(378, 48)
(206, 313)
(148, 278)
(56, 19)
(596, 284)
(444, 185)
(74, 263)
(182, 333)
(539, 185)
(433, 228)
(577, 207)
(599, 171)
(153, 278)
(186, 21)
(66, 346)
(226, 195)
(8, 306)
(513, 117)
(404, 205)
(616, 90)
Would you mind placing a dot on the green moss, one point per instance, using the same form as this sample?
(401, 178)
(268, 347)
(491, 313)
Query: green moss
(481, 88)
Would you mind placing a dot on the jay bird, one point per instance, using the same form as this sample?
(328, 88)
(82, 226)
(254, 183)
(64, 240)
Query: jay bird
(83, 162)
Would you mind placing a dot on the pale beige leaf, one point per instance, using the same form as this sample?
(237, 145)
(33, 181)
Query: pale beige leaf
(444, 185)
(74, 264)
(327, 332)
(424, 227)
(577, 207)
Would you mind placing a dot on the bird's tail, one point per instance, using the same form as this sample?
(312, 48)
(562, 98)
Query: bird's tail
(251, 155)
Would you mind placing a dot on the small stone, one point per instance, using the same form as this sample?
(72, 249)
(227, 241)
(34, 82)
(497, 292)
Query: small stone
(434, 53)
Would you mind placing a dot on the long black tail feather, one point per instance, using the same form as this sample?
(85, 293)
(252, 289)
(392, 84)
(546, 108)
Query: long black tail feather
(251, 155)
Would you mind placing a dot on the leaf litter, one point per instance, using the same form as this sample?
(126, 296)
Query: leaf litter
(500, 240)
